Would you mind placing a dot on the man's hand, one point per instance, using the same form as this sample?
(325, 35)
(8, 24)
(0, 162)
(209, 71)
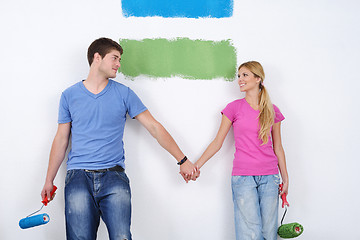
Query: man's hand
(188, 170)
(46, 192)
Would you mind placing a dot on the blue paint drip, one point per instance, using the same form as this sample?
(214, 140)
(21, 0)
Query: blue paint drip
(177, 8)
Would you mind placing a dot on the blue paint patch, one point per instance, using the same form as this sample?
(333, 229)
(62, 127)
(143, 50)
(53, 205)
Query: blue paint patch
(178, 8)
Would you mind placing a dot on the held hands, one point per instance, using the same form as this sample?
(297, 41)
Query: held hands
(189, 171)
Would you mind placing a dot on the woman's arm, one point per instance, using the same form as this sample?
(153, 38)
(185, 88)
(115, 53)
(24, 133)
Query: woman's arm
(217, 143)
(279, 152)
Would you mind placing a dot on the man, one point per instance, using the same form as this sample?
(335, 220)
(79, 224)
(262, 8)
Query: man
(94, 112)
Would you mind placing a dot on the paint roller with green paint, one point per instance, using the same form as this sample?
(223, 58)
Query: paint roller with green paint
(290, 230)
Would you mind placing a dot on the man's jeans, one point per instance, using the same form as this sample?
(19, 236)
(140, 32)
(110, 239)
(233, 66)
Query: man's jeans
(91, 195)
(256, 202)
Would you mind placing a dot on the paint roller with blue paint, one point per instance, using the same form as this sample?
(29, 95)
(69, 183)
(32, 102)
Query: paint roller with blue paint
(39, 219)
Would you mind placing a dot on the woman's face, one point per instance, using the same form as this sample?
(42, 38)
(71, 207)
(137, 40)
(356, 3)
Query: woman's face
(247, 80)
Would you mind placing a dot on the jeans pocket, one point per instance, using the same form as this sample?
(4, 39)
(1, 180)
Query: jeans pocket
(122, 176)
(276, 179)
(236, 180)
(69, 176)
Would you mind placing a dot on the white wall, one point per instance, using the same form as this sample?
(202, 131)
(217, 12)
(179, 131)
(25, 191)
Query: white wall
(309, 50)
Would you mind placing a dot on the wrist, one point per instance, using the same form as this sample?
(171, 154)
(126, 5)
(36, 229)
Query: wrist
(285, 182)
(182, 161)
(197, 165)
(49, 181)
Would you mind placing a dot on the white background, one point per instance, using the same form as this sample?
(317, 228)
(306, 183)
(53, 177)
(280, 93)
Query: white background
(310, 53)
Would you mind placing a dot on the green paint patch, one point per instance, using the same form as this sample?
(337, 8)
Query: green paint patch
(191, 59)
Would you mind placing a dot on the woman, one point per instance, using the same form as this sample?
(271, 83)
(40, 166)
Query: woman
(258, 158)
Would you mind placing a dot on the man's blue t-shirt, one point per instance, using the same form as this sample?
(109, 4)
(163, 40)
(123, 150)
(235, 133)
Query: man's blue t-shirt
(97, 124)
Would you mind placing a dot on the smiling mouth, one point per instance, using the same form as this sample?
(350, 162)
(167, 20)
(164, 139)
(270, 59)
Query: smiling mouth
(243, 84)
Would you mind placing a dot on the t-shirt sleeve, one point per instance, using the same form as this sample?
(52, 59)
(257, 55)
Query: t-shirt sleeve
(134, 104)
(228, 111)
(64, 113)
(278, 115)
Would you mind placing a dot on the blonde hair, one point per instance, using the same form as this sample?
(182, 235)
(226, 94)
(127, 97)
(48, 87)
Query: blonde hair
(267, 114)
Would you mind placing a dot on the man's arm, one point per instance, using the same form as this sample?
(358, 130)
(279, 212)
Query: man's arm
(167, 142)
(57, 155)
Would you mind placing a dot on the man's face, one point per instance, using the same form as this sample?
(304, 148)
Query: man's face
(110, 64)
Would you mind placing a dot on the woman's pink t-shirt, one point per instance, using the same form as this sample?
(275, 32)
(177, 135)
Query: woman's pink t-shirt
(251, 158)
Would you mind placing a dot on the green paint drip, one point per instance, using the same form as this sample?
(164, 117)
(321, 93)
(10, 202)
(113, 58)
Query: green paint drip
(191, 59)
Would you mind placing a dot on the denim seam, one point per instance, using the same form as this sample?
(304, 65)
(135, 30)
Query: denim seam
(122, 177)
(69, 175)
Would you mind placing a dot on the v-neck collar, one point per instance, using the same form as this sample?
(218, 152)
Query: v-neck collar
(250, 106)
(82, 86)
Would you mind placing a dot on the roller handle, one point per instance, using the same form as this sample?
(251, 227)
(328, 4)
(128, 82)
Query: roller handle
(45, 201)
(283, 198)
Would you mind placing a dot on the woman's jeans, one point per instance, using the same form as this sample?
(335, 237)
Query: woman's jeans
(256, 202)
(91, 195)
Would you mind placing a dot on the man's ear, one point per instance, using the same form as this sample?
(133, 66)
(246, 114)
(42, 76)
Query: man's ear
(97, 57)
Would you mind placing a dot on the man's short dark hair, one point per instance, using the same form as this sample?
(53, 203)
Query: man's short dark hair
(102, 46)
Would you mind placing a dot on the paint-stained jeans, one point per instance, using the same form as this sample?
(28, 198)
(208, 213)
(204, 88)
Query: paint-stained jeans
(89, 196)
(256, 202)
